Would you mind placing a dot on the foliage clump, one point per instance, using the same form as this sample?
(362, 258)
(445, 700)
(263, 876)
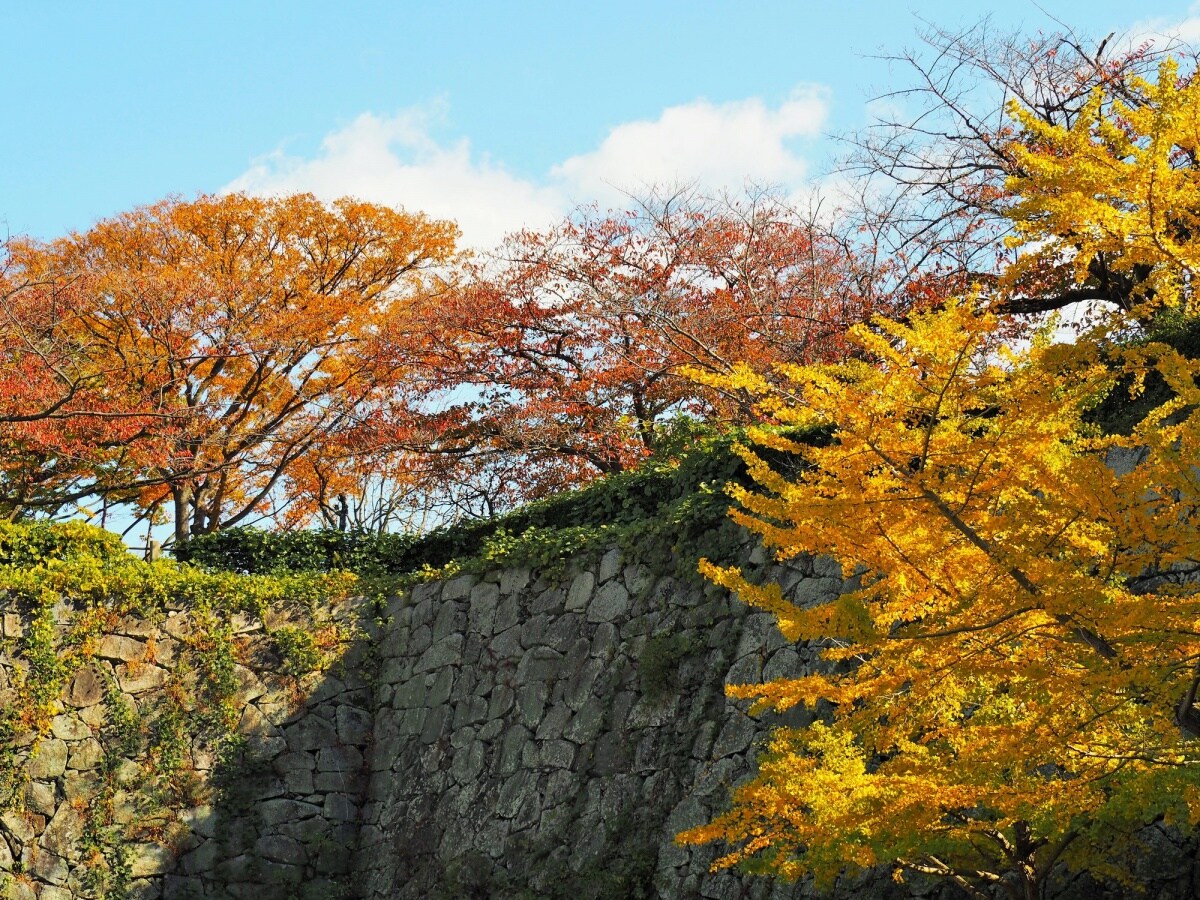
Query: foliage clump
(69, 586)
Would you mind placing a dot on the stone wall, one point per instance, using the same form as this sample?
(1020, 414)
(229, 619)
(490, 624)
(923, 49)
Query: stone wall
(548, 736)
(519, 733)
(278, 818)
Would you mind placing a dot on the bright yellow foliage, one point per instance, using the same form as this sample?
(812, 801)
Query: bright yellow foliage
(1116, 194)
(1010, 673)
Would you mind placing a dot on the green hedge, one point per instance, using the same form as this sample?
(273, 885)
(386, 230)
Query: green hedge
(681, 498)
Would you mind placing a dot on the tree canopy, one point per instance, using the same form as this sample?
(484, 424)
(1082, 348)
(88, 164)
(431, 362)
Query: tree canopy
(1014, 681)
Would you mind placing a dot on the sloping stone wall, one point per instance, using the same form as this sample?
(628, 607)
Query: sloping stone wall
(548, 736)
(517, 734)
(283, 819)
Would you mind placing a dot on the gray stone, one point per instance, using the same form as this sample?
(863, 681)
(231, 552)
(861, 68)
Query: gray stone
(735, 736)
(41, 797)
(49, 759)
(470, 711)
(610, 565)
(481, 618)
(586, 724)
(87, 688)
(339, 759)
(610, 602)
(553, 723)
(278, 811)
(531, 703)
(541, 664)
(85, 755)
(468, 763)
(150, 859)
(62, 835)
(446, 652)
(69, 728)
(558, 754)
(508, 612)
(451, 618)
(511, 745)
(458, 588)
(340, 808)
(120, 649)
(580, 592)
(353, 725)
(311, 733)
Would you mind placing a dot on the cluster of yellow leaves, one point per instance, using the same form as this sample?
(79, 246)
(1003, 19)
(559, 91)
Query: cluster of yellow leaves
(1115, 193)
(1006, 661)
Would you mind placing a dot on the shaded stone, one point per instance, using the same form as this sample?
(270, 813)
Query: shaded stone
(558, 754)
(339, 759)
(458, 588)
(87, 688)
(610, 602)
(610, 565)
(481, 618)
(353, 725)
(444, 653)
(580, 592)
(539, 665)
(340, 808)
(85, 755)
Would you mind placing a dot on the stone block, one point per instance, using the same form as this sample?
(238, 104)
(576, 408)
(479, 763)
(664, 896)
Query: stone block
(353, 725)
(87, 688)
(611, 601)
(446, 652)
(49, 759)
(458, 588)
(539, 665)
(339, 759)
(610, 565)
(484, 600)
(340, 808)
(558, 754)
(150, 859)
(85, 755)
(120, 648)
(69, 728)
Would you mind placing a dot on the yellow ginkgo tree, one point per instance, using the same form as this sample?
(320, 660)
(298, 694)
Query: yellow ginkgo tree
(1013, 687)
(1113, 201)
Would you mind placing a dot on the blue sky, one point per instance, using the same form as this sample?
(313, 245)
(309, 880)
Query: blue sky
(499, 114)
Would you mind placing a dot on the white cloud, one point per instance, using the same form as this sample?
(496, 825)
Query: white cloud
(1163, 31)
(397, 161)
(718, 145)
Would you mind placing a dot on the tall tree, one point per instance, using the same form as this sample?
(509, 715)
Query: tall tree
(1015, 680)
(1010, 679)
(574, 338)
(254, 329)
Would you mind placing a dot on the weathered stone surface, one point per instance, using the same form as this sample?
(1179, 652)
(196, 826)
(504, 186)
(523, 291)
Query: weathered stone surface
(140, 677)
(69, 728)
(120, 648)
(87, 688)
(63, 832)
(610, 602)
(49, 759)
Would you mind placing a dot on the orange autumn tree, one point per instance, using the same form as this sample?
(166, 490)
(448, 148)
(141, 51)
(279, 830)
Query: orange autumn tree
(1010, 681)
(250, 332)
(575, 337)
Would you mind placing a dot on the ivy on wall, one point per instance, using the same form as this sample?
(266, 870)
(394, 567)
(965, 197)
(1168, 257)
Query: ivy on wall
(66, 593)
